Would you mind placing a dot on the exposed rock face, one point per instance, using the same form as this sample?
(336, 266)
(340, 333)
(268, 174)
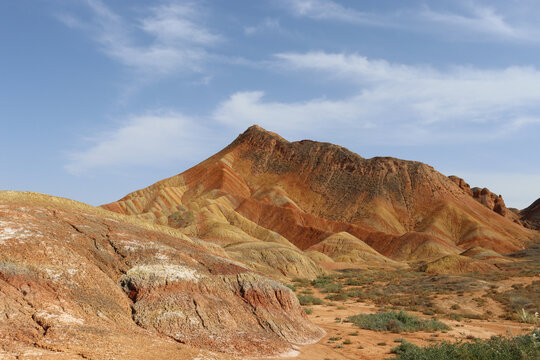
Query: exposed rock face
(80, 282)
(490, 200)
(302, 192)
(531, 215)
(485, 197)
(462, 184)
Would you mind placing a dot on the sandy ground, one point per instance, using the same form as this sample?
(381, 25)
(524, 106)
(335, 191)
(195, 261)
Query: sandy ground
(371, 342)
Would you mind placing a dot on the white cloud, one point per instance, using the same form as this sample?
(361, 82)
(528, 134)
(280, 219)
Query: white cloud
(395, 103)
(464, 17)
(482, 20)
(174, 22)
(152, 139)
(330, 10)
(177, 40)
(267, 25)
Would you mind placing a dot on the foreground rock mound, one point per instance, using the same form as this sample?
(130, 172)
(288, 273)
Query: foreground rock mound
(262, 188)
(80, 282)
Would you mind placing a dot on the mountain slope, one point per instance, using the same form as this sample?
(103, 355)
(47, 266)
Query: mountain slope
(531, 215)
(305, 191)
(80, 282)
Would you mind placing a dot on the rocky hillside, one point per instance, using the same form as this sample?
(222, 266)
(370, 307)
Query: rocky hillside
(77, 282)
(295, 195)
(531, 215)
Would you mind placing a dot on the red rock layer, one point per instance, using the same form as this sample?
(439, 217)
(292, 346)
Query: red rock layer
(83, 283)
(307, 190)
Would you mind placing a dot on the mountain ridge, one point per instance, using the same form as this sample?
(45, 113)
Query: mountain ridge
(306, 190)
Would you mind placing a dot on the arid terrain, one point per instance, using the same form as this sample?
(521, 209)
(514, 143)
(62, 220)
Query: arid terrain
(268, 249)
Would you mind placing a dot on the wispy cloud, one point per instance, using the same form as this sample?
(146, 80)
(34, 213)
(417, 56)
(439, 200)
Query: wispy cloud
(395, 103)
(150, 140)
(482, 20)
(330, 10)
(462, 17)
(177, 40)
(267, 25)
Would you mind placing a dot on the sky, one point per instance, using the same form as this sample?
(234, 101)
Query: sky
(100, 98)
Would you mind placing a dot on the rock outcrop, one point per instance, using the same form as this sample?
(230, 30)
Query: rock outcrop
(485, 197)
(80, 282)
(262, 188)
(531, 215)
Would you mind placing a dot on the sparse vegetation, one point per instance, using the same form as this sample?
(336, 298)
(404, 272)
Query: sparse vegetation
(519, 297)
(396, 322)
(526, 347)
(309, 300)
(528, 318)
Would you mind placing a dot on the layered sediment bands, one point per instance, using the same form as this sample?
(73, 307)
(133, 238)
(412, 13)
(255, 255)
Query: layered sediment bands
(306, 191)
(80, 282)
(457, 264)
(344, 247)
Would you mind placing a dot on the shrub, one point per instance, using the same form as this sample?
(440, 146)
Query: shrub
(308, 311)
(309, 300)
(526, 347)
(292, 287)
(396, 322)
(300, 281)
(337, 297)
(322, 281)
(525, 317)
(332, 288)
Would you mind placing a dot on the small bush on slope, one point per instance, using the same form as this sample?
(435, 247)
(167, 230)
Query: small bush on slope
(395, 322)
(309, 300)
(526, 347)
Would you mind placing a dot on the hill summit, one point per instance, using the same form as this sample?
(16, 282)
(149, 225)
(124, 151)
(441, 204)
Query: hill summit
(281, 198)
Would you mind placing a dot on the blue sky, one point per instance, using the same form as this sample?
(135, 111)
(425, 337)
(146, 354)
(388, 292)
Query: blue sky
(100, 98)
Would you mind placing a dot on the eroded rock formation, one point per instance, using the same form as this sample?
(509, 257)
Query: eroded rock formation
(531, 215)
(262, 188)
(80, 282)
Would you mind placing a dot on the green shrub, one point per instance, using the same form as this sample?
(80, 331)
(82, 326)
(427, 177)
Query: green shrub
(322, 281)
(332, 288)
(525, 347)
(337, 297)
(309, 300)
(308, 311)
(395, 322)
(292, 287)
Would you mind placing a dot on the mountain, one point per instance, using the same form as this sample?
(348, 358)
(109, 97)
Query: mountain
(78, 282)
(264, 192)
(531, 215)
